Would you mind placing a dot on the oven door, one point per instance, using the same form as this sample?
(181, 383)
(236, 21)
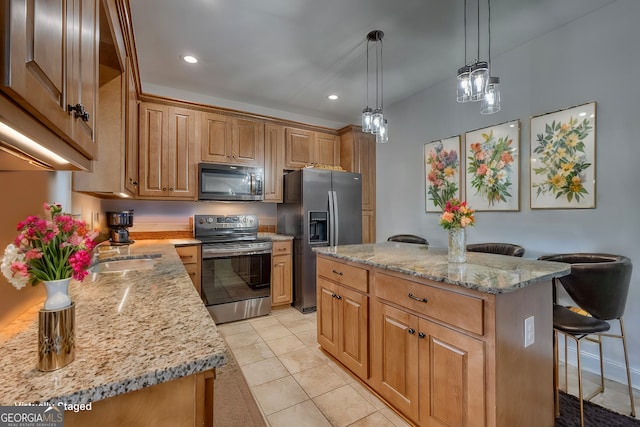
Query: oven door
(236, 280)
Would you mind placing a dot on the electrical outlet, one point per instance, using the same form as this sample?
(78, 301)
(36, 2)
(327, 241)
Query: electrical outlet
(529, 331)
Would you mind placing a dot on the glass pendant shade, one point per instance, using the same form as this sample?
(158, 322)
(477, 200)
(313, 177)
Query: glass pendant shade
(377, 120)
(382, 136)
(464, 84)
(491, 101)
(479, 76)
(366, 119)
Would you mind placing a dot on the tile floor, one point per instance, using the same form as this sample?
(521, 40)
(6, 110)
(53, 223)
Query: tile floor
(295, 383)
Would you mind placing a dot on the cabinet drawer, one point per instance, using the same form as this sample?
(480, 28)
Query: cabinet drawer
(281, 248)
(458, 310)
(188, 254)
(354, 277)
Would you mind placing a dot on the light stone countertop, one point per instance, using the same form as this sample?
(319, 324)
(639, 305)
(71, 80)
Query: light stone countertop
(488, 273)
(274, 237)
(133, 329)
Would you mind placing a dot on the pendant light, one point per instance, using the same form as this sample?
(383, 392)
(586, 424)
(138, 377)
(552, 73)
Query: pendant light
(373, 121)
(491, 101)
(464, 85)
(479, 74)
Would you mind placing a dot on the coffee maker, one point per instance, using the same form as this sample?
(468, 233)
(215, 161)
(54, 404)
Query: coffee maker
(119, 223)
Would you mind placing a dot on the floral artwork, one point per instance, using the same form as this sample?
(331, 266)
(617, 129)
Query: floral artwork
(563, 158)
(442, 172)
(492, 166)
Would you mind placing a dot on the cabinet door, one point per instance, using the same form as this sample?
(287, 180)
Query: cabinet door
(153, 135)
(327, 308)
(273, 162)
(368, 226)
(353, 322)
(327, 149)
(216, 138)
(82, 68)
(452, 388)
(180, 165)
(395, 358)
(367, 167)
(281, 270)
(248, 142)
(298, 148)
(131, 132)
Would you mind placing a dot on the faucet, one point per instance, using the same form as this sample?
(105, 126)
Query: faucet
(95, 255)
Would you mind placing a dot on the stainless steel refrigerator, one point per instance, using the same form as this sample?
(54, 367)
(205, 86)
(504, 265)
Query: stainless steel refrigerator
(320, 208)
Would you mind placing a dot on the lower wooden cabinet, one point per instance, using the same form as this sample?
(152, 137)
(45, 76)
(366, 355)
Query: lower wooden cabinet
(440, 354)
(190, 256)
(281, 273)
(432, 374)
(343, 321)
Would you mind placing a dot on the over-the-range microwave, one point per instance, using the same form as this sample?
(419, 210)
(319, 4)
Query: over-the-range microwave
(228, 182)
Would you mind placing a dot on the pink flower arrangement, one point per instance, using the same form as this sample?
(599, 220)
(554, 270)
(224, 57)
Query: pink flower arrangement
(48, 249)
(457, 214)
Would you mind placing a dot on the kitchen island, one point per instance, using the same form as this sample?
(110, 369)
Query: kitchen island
(146, 349)
(442, 343)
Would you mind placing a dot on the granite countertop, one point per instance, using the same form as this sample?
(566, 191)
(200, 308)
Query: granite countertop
(133, 329)
(274, 236)
(488, 273)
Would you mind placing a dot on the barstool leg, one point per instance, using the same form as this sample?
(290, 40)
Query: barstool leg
(626, 361)
(556, 397)
(566, 365)
(580, 383)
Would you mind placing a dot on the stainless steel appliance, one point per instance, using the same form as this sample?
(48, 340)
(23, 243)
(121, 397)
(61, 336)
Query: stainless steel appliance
(236, 267)
(119, 223)
(228, 182)
(321, 208)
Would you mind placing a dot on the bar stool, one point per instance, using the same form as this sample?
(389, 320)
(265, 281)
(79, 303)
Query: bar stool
(598, 284)
(497, 248)
(408, 238)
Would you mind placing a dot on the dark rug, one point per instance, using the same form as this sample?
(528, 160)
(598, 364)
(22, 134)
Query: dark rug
(233, 403)
(594, 415)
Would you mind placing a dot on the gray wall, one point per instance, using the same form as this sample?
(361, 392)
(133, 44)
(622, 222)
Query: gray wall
(595, 58)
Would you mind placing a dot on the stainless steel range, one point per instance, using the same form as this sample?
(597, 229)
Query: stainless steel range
(236, 267)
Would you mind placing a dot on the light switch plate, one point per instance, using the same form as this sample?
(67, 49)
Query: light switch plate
(529, 331)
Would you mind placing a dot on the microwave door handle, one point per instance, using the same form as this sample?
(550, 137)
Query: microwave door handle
(331, 220)
(252, 190)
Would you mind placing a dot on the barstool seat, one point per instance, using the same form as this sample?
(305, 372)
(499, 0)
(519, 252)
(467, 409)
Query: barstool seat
(570, 322)
(408, 238)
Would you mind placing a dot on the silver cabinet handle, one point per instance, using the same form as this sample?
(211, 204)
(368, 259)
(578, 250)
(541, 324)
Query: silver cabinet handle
(411, 331)
(421, 335)
(412, 296)
(339, 273)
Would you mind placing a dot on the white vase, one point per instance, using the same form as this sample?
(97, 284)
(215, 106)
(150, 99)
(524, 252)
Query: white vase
(57, 294)
(457, 245)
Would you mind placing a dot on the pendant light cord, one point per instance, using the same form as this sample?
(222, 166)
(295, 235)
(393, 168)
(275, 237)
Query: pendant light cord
(367, 73)
(489, 20)
(465, 32)
(381, 79)
(478, 57)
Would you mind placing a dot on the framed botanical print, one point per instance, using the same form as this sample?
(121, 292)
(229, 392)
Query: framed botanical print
(442, 172)
(492, 179)
(563, 159)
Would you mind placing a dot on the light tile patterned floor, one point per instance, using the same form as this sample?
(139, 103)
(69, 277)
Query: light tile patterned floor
(295, 383)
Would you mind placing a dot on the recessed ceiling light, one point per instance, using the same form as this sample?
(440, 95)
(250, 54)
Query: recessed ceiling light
(332, 97)
(190, 59)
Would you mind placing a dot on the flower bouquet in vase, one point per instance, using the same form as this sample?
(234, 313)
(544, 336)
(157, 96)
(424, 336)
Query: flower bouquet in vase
(51, 250)
(455, 218)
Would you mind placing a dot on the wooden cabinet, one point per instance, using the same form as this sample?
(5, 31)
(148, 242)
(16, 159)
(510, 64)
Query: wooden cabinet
(190, 256)
(358, 154)
(273, 163)
(131, 130)
(167, 147)
(231, 140)
(305, 147)
(281, 273)
(51, 62)
(343, 314)
(442, 355)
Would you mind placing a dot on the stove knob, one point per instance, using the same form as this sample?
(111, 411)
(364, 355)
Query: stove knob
(201, 221)
(209, 220)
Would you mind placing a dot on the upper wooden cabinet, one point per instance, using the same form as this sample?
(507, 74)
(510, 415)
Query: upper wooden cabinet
(50, 55)
(131, 132)
(273, 162)
(304, 147)
(167, 148)
(232, 140)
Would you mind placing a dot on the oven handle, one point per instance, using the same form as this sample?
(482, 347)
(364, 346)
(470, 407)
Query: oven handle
(210, 254)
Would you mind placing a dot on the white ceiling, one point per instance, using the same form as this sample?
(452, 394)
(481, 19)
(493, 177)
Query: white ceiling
(289, 55)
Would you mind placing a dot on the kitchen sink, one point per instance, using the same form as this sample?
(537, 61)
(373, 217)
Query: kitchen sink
(127, 264)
